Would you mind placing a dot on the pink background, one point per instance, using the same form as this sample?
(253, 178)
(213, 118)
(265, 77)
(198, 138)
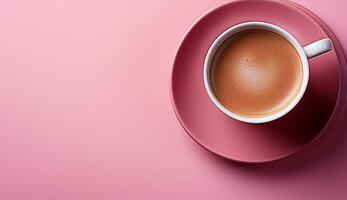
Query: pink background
(85, 110)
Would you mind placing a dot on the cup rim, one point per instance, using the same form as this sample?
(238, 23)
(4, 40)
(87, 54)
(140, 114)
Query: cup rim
(255, 25)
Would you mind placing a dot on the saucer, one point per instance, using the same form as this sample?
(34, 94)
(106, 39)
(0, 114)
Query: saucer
(253, 143)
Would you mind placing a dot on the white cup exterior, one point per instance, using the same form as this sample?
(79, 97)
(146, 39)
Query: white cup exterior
(304, 53)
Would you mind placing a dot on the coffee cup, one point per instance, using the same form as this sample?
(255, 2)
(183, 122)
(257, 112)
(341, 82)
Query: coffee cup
(258, 76)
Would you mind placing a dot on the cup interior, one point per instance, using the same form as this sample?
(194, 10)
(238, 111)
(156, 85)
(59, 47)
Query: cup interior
(209, 62)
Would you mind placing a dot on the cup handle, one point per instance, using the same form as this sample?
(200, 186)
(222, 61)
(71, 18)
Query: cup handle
(317, 48)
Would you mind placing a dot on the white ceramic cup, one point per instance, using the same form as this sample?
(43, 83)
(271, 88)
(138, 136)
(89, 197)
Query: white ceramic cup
(312, 50)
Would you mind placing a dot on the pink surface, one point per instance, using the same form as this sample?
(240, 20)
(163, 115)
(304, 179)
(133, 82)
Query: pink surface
(254, 142)
(81, 118)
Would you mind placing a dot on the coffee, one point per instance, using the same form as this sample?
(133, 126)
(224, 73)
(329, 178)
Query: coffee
(256, 73)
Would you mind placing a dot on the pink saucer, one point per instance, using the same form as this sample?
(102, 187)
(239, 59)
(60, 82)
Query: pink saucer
(243, 142)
